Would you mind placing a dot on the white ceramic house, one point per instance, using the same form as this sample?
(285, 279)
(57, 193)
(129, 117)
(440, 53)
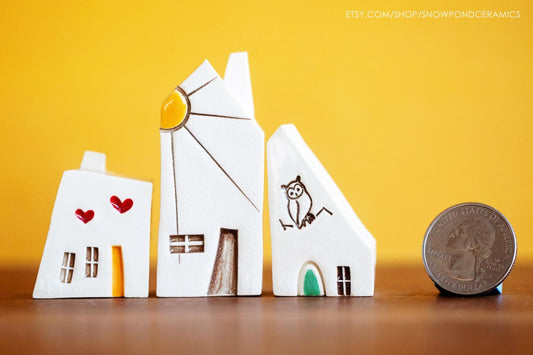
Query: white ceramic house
(98, 244)
(212, 156)
(319, 245)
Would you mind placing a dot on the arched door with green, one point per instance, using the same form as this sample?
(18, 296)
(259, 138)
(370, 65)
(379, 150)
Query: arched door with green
(311, 287)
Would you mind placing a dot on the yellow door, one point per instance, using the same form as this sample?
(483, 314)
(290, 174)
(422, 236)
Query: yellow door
(118, 271)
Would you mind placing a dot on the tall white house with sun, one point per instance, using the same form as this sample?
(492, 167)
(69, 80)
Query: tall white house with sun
(212, 155)
(98, 244)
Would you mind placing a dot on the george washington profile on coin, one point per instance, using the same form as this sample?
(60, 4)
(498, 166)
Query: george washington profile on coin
(469, 244)
(469, 249)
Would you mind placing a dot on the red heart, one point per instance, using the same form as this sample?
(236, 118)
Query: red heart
(121, 206)
(86, 216)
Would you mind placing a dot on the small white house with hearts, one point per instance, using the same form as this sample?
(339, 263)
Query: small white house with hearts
(98, 244)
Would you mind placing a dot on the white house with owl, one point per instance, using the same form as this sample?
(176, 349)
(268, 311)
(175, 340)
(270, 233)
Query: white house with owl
(299, 203)
(212, 155)
(319, 245)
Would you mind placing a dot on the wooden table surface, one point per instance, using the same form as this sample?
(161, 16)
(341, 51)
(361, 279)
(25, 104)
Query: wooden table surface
(406, 315)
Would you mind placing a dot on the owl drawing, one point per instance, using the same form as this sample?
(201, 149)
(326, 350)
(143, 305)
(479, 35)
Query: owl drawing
(299, 203)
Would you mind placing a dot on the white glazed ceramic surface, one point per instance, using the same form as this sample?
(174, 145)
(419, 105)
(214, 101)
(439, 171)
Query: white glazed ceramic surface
(313, 227)
(125, 225)
(210, 230)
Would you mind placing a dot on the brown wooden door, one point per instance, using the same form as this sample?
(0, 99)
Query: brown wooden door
(224, 277)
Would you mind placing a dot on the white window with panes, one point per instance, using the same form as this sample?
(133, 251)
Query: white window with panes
(91, 263)
(67, 267)
(190, 243)
(344, 281)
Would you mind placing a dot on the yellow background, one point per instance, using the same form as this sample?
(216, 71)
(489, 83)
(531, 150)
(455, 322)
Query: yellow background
(408, 116)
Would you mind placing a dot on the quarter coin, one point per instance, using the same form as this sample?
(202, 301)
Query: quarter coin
(469, 249)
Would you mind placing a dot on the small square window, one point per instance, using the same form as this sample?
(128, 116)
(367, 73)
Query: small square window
(186, 243)
(343, 281)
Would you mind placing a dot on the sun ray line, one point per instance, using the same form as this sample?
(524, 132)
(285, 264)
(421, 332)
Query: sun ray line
(174, 178)
(201, 87)
(220, 116)
(221, 168)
